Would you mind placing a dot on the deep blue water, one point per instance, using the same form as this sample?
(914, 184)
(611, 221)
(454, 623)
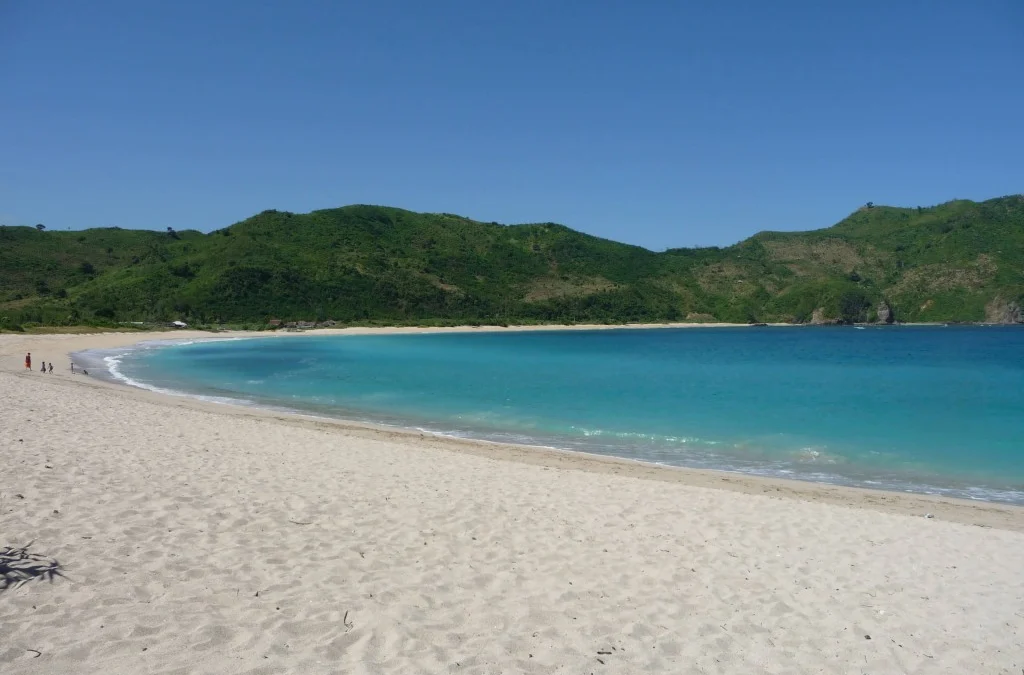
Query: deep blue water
(927, 409)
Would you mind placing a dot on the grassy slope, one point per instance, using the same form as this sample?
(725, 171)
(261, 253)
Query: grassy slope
(361, 263)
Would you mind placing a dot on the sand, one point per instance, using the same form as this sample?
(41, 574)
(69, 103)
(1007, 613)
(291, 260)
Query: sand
(198, 538)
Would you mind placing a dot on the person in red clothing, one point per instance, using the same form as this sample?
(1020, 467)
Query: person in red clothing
(28, 361)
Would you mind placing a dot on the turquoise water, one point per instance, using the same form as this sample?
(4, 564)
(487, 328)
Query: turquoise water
(927, 409)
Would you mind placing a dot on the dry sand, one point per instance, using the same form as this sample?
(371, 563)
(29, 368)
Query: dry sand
(207, 539)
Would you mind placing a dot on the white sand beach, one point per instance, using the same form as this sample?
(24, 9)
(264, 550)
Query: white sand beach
(198, 538)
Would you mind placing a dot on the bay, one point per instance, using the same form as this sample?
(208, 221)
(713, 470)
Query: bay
(924, 409)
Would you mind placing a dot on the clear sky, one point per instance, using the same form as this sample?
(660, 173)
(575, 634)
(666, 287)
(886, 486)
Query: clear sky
(660, 123)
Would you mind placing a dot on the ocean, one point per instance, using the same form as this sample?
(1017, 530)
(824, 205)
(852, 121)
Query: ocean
(931, 409)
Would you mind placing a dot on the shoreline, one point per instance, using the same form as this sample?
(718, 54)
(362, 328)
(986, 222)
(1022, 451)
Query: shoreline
(55, 331)
(966, 511)
(107, 366)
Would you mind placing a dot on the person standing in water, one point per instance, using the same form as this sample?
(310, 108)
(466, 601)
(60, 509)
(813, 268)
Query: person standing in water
(50, 370)
(28, 361)
(72, 367)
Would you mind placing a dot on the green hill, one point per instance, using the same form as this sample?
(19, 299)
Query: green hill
(960, 261)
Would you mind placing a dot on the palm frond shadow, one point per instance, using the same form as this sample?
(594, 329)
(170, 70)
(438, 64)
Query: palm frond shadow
(18, 567)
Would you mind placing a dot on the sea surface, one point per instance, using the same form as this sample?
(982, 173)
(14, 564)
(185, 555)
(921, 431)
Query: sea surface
(923, 409)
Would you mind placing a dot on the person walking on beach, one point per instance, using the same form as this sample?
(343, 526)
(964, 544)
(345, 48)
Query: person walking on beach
(50, 371)
(42, 369)
(28, 361)
(72, 367)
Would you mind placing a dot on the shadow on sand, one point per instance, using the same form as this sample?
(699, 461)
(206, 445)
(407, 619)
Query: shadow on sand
(18, 566)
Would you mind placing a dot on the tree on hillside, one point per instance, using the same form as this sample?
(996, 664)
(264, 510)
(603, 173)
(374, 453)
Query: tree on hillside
(853, 305)
(40, 227)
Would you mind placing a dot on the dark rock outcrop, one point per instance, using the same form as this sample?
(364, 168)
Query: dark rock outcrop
(885, 313)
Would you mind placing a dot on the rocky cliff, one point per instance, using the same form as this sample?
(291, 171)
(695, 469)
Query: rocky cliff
(1003, 311)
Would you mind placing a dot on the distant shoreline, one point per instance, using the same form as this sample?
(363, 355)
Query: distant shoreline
(45, 347)
(467, 328)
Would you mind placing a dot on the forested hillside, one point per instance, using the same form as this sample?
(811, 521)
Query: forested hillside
(960, 261)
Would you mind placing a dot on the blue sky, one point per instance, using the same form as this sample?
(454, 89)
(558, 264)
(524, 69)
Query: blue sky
(657, 123)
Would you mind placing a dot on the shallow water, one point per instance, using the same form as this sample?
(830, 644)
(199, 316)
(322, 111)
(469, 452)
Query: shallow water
(924, 409)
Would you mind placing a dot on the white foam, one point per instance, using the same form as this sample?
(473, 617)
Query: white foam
(113, 364)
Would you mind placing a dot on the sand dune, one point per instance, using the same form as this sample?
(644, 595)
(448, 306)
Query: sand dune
(198, 539)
